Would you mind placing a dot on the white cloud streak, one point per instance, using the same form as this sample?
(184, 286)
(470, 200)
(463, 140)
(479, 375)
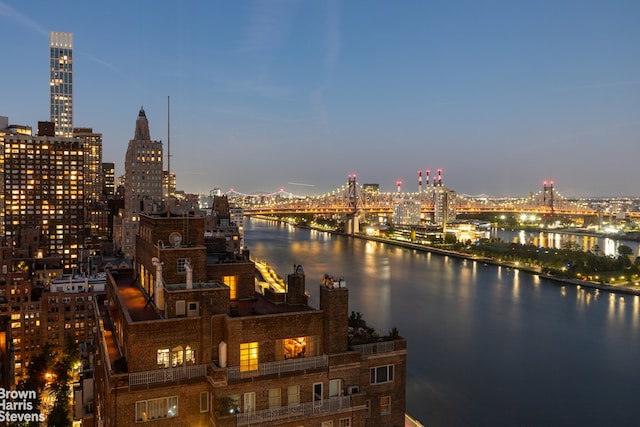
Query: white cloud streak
(14, 15)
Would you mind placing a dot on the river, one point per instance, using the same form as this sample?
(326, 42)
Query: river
(487, 345)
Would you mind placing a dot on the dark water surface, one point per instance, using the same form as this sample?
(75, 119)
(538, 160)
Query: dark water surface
(487, 345)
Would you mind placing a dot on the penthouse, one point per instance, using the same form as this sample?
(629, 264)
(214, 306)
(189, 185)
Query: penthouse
(186, 340)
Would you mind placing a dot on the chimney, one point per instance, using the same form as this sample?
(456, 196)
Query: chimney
(189, 271)
(296, 287)
(158, 291)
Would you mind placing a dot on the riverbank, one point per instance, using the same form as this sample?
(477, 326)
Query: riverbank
(623, 289)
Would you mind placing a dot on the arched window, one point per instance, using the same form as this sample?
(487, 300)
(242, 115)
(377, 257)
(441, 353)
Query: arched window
(189, 355)
(177, 356)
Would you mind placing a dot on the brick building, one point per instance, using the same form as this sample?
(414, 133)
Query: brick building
(185, 340)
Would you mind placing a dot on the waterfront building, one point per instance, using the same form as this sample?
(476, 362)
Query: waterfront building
(443, 209)
(142, 184)
(406, 212)
(61, 82)
(185, 340)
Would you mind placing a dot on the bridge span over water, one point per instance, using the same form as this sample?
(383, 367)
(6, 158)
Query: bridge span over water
(353, 197)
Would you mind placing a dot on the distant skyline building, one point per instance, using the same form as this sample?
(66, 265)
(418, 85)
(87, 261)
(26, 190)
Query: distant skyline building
(143, 182)
(92, 163)
(108, 180)
(61, 82)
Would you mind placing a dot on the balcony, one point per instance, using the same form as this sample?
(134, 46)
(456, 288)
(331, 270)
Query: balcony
(167, 375)
(291, 413)
(277, 368)
(374, 348)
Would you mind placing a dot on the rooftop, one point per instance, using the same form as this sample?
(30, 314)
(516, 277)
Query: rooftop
(261, 305)
(136, 301)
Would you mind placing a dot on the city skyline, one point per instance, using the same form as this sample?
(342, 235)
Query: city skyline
(269, 95)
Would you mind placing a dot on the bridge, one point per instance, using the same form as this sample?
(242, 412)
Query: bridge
(353, 198)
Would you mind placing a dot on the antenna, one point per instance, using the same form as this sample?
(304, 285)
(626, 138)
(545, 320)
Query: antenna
(168, 145)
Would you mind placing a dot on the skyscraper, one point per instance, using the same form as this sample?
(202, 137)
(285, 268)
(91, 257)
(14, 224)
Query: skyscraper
(43, 190)
(61, 82)
(143, 182)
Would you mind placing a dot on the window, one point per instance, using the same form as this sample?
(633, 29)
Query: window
(385, 405)
(317, 392)
(344, 422)
(248, 356)
(250, 402)
(153, 409)
(189, 355)
(232, 283)
(294, 347)
(204, 401)
(381, 374)
(181, 263)
(327, 424)
(163, 358)
(274, 398)
(335, 388)
(293, 395)
(177, 356)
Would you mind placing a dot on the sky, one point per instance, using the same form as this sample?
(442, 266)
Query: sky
(296, 94)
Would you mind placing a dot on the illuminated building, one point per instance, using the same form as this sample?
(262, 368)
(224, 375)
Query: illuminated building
(406, 212)
(185, 340)
(43, 190)
(143, 183)
(108, 180)
(61, 82)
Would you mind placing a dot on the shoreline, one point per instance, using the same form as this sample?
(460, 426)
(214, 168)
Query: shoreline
(558, 281)
(621, 289)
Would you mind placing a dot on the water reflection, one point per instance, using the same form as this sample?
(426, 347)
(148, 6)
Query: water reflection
(487, 346)
(599, 245)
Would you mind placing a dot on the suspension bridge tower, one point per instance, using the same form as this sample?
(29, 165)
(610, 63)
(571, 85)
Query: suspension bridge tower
(352, 223)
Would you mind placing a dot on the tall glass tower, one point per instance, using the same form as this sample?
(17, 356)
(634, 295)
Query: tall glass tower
(61, 81)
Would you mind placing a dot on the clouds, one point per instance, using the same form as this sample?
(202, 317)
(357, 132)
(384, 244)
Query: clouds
(22, 20)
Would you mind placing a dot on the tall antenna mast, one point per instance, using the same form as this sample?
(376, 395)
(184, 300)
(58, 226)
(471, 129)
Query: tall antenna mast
(169, 142)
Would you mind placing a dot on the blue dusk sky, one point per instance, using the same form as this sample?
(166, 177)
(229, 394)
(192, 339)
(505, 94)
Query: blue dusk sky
(501, 95)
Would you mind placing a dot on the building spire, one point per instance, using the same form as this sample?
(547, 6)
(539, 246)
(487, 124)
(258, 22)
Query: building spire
(142, 127)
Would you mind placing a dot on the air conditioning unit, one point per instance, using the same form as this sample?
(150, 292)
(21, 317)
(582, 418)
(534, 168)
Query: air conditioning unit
(353, 389)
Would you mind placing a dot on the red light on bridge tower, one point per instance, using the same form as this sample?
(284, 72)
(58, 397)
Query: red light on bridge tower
(419, 181)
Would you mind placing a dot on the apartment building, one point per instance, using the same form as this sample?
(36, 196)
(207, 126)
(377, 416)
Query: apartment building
(185, 340)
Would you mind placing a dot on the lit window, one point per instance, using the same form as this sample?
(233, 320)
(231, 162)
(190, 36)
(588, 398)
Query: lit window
(344, 422)
(248, 357)
(177, 356)
(294, 347)
(163, 358)
(189, 355)
(232, 283)
(153, 409)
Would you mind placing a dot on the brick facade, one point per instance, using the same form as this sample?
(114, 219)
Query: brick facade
(250, 360)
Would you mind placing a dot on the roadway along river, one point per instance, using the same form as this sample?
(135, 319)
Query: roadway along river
(487, 345)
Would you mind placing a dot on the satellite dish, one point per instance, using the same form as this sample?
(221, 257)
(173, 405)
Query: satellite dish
(175, 239)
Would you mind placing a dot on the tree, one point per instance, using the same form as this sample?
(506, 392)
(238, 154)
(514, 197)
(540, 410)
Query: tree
(625, 253)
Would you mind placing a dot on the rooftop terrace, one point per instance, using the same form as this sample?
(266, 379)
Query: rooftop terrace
(134, 298)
